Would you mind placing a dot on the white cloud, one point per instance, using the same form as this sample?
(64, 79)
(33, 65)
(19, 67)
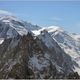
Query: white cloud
(3, 12)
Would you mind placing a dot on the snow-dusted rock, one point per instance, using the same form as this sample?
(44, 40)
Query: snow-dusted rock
(29, 51)
(69, 43)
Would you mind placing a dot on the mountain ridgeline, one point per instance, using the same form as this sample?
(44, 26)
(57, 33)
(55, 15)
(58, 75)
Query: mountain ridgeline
(31, 52)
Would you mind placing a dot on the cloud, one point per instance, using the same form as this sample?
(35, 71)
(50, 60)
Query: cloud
(56, 18)
(3, 12)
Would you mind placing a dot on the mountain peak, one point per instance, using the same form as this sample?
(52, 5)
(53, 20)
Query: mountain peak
(54, 28)
(8, 18)
(12, 26)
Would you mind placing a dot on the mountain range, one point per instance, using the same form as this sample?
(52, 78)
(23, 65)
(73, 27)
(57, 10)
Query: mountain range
(29, 51)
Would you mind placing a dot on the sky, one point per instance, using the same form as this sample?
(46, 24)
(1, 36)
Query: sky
(65, 14)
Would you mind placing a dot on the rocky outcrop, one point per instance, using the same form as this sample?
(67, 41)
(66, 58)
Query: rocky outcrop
(26, 57)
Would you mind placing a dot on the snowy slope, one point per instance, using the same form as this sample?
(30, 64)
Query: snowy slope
(1, 40)
(76, 36)
(68, 42)
(60, 58)
(11, 26)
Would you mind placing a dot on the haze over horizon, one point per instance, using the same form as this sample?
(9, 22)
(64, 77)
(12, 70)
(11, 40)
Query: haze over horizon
(65, 14)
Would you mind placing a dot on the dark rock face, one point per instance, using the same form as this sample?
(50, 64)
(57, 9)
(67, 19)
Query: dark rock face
(73, 76)
(24, 58)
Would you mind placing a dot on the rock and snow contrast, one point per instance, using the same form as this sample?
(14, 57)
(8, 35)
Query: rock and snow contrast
(31, 52)
(70, 43)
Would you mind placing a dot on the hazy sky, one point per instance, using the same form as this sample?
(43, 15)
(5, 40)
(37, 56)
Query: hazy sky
(65, 14)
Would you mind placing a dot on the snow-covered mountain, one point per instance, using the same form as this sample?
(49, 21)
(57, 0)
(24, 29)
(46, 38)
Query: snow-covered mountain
(29, 51)
(76, 36)
(11, 26)
(70, 43)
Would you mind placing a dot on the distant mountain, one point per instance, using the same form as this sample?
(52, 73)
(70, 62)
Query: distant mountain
(30, 52)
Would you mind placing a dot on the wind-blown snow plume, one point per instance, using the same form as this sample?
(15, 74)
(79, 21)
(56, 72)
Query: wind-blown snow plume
(3, 12)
